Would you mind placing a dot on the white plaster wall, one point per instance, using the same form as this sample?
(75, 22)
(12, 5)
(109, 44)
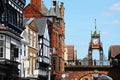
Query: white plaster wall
(23, 58)
(7, 47)
(10, 40)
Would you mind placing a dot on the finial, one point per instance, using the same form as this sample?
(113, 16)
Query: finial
(95, 23)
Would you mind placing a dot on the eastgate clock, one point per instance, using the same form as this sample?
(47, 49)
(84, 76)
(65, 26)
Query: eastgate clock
(95, 41)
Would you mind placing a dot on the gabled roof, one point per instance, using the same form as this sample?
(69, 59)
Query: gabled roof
(35, 12)
(114, 50)
(36, 9)
(27, 21)
(41, 24)
(44, 11)
(24, 36)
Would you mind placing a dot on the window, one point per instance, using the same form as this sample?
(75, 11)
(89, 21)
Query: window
(34, 40)
(14, 51)
(1, 51)
(18, 19)
(2, 18)
(2, 38)
(40, 45)
(16, 1)
(15, 18)
(54, 64)
(34, 63)
(21, 20)
(24, 50)
(60, 64)
(31, 66)
(12, 16)
(60, 41)
(30, 38)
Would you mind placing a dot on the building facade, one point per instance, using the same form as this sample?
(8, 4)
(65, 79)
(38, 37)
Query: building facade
(66, 56)
(114, 55)
(23, 58)
(32, 36)
(11, 26)
(72, 55)
(43, 56)
(57, 36)
(56, 28)
(36, 9)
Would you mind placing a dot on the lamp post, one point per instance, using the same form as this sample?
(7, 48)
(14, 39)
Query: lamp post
(63, 76)
(49, 67)
(49, 73)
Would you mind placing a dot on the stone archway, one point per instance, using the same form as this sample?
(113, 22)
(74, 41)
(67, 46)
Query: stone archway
(90, 77)
(78, 72)
(83, 75)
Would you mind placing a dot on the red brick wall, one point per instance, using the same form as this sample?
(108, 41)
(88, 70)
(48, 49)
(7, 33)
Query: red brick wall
(37, 4)
(70, 53)
(82, 72)
(30, 12)
(32, 51)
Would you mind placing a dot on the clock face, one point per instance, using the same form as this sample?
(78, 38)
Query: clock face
(95, 41)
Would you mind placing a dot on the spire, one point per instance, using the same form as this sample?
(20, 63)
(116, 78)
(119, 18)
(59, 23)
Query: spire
(95, 23)
(95, 33)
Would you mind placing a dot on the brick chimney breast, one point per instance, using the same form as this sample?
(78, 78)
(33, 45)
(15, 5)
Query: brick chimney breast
(37, 4)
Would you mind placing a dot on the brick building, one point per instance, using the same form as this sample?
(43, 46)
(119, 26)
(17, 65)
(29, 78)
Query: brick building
(114, 55)
(32, 36)
(57, 36)
(35, 9)
(43, 57)
(56, 26)
(72, 55)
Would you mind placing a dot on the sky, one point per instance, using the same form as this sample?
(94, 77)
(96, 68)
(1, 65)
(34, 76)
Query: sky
(79, 22)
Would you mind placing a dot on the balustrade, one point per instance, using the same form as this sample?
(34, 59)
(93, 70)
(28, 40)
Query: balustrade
(86, 63)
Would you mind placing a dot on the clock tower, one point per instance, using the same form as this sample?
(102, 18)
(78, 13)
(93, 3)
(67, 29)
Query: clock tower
(95, 43)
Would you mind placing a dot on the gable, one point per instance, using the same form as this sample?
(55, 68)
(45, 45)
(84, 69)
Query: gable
(114, 50)
(30, 12)
(24, 36)
(33, 26)
(42, 27)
